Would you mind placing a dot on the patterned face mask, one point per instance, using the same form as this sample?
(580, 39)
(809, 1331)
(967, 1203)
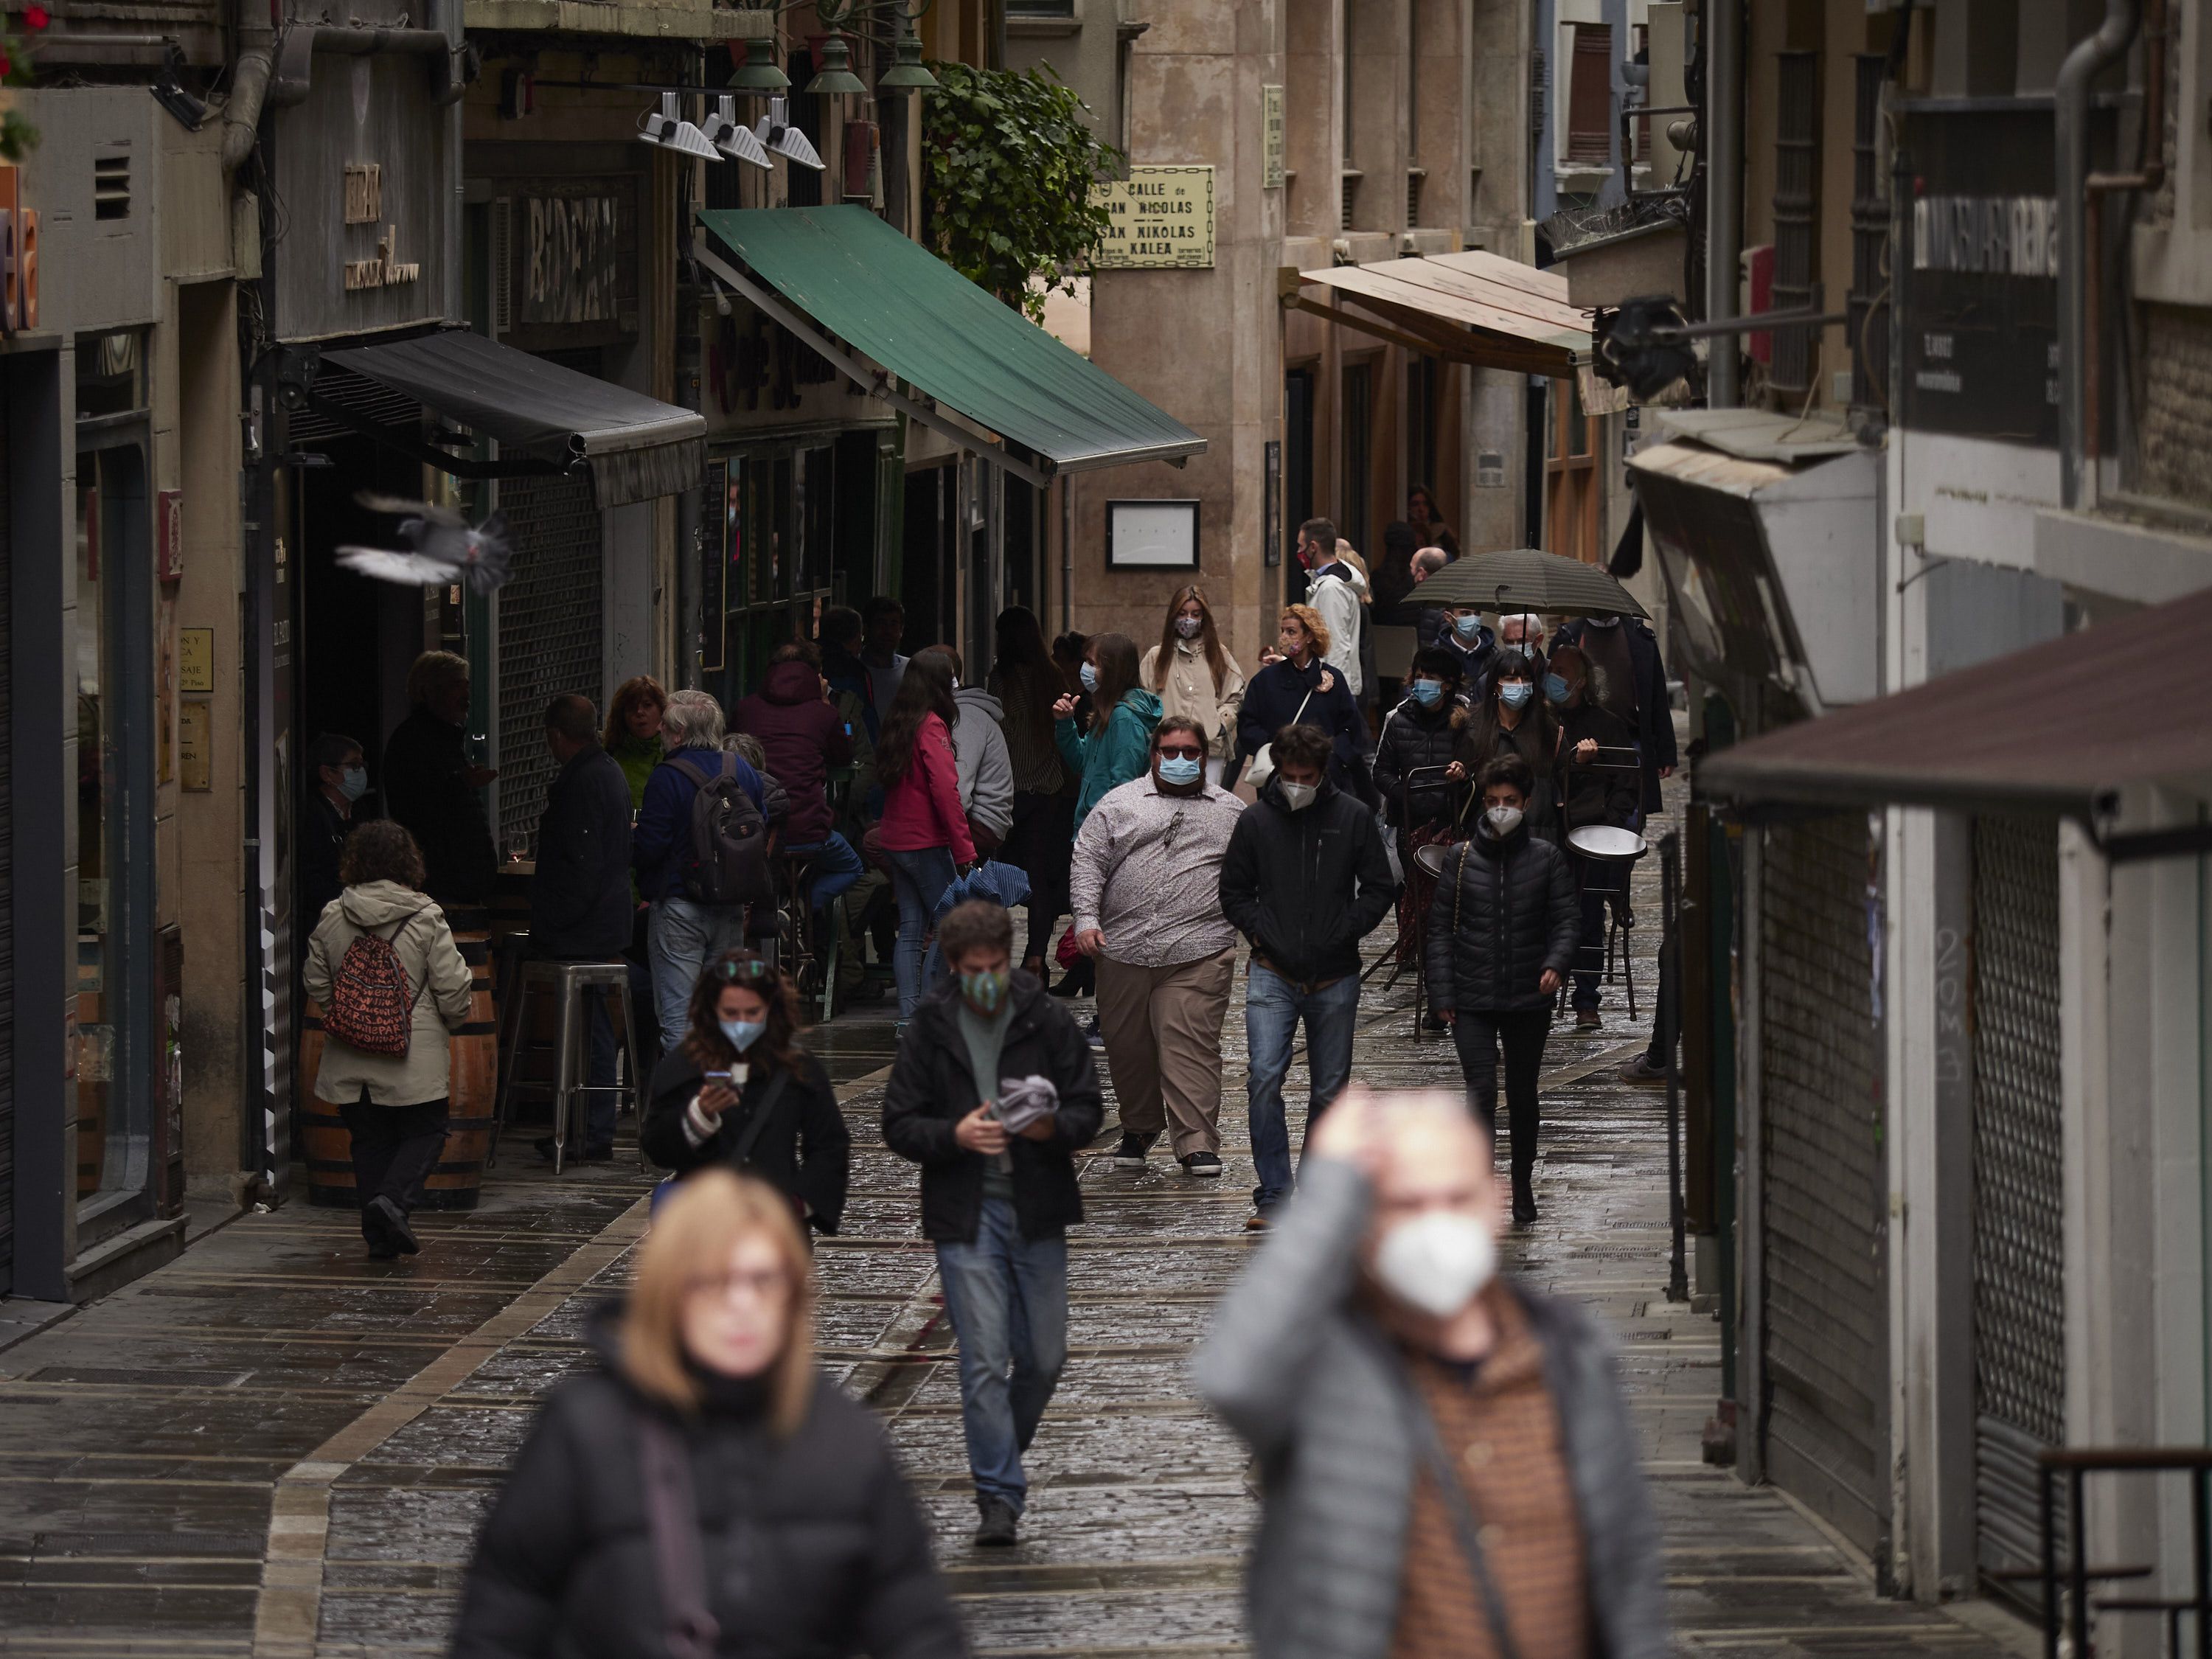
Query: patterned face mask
(985, 992)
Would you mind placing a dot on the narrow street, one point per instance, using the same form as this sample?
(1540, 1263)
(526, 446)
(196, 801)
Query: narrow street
(275, 1447)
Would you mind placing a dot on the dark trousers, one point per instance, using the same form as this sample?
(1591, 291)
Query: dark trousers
(394, 1149)
(1479, 1034)
(1601, 884)
(1041, 844)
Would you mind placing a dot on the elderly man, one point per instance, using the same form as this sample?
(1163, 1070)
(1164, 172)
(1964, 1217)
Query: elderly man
(1147, 901)
(1447, 1462)
(1430, 625)
(1523, 631)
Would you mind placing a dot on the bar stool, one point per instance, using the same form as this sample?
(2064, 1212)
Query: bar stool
(570, 983)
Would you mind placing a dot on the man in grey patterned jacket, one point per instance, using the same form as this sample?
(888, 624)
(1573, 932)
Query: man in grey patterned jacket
(1448, 1464)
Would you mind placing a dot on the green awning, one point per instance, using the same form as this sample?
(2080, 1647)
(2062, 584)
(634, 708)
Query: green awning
(912, 315)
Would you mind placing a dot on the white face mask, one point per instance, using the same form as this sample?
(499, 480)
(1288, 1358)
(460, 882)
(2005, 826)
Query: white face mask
(1437, 1262)
(1300, 796)
(1503, 820)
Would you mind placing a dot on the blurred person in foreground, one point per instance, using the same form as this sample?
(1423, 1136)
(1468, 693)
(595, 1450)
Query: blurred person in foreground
(706, 1491)
(1447, 1460)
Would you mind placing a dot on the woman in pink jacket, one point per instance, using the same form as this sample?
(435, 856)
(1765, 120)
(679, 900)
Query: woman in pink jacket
(924, 833)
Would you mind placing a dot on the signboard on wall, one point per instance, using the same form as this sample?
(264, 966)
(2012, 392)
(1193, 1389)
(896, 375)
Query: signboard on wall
(1158, 218)
(1272, 139)
(572, 263)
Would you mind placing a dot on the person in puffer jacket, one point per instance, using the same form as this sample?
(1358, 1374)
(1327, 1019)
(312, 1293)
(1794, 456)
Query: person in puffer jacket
(1501, 933)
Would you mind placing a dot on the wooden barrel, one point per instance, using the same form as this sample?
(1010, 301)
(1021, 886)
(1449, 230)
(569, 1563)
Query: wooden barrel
(474, 1078)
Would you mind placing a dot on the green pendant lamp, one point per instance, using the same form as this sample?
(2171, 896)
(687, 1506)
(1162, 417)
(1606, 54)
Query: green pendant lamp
(906, 73)
(836, 76)
(758, 73)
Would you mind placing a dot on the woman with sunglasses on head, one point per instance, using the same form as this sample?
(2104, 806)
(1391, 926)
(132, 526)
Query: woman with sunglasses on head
(705, 1490)
(739, 1092)
(1194, 677)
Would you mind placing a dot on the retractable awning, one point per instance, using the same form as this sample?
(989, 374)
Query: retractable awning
(833, 274)
(546, 418)
(1475, 308)
(2059, 727)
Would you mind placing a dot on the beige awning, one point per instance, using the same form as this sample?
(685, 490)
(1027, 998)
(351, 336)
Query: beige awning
(1477, 308)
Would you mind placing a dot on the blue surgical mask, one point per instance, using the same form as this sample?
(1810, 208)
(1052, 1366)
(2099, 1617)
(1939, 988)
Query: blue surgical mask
(1428, 693)
(1181, 770)
(984, 992)
(1555, 688)
(1515, 694)
(1466, 626)
(353, 783)
(743, 1033)
(1089, 676)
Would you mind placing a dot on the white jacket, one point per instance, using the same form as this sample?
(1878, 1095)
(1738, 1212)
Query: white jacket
(1337, 601)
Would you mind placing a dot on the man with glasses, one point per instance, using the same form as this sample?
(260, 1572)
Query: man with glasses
(1146, 884)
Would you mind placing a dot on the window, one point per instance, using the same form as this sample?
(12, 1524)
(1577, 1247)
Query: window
(1571, 475)
(1590, 95)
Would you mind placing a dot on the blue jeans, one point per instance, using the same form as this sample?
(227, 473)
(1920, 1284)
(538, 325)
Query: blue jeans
(836, 867)
(1008, 1296)
(920, 879)
(1273, 1008)
(684, 938)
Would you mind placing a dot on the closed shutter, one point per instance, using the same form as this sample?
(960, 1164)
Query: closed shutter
(1826, 1302)
(552, 632)
(2019, 1296)
(1589, 94)
(7, 883)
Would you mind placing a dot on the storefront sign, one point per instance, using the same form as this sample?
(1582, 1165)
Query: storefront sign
(1158, 219)
(195, 749)
(169, 535)
(1271, 140)
(195, 659)
(364, 193)
(571, 274)
(386, 269)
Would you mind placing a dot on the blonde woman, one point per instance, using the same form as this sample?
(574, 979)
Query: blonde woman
(1298, 687)
(1193, 676)
(706, 1490)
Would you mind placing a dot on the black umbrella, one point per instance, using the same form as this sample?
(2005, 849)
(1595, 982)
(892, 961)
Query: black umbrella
(1525, 579)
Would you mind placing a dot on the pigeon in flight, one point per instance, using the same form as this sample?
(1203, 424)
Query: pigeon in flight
(446, 550)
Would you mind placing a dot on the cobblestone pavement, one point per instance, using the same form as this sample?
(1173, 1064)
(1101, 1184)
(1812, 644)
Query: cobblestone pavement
(275, 1446)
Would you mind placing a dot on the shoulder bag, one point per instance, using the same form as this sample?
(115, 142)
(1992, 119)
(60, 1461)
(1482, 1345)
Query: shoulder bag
(671, 1512)
(1263, 758)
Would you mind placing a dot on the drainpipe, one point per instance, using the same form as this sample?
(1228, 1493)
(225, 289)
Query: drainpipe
(457, 80)
(249, 85)
(2089, 59)
(1721, 144)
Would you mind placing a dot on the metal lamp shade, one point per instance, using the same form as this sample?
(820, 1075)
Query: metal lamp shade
(1525, 579)
(758, 73)
(836, 74)
(906, 73)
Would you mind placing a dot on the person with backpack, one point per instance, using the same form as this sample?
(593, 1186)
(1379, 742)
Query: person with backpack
(738, 1092)
(925, 832)
(700, 849)
(706, 1489)
(393, 987)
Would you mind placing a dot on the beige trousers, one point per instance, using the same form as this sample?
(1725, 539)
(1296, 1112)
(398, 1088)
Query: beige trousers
(1163, 1031)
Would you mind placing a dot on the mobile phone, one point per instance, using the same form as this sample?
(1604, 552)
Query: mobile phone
(715, 1077)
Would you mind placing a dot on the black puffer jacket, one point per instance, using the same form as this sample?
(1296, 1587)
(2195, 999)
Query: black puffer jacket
(813, 1547)
(1413, 737)
(1505, 912)
(803, 1151)
(931, 1090)
(1306, 887)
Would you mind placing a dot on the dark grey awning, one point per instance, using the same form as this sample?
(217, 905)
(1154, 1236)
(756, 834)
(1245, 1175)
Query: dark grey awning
(637, 447)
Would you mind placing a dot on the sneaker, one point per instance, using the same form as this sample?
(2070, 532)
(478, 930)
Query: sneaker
(1000, 1525)
(1092, 1034)
(1131, 1153)
(1641, 1070)
(1201, 1164)
(1586, 1019)
(393, 1222)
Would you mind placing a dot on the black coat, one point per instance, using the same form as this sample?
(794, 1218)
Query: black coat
(804, 1151)
(1593, 794)
(1414, 738)
(813, 1547)
(1271, 701)
(580, 908)
(1654, 711)
(1306, 887)
(1534, 740)
(322, 841)
(1503, 913)
(426, 788)
(931, 1090)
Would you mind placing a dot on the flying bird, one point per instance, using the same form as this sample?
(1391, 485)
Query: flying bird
(446, 550)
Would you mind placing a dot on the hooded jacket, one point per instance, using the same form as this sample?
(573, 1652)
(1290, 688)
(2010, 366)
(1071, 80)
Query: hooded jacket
(922, 809)
(1334, 591)
(437, 977)
(1504, 911)
(803, 1151)
(805, 738)
(1306, 887)
(1106, 760)
(986, 771)
(813, 1547)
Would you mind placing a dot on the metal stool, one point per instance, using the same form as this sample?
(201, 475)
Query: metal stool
(570, 983)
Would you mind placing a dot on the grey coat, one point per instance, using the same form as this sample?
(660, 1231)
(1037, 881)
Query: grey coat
(1299, 1373)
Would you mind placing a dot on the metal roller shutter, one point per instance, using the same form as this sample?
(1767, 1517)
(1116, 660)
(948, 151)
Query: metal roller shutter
(552, 632)
(1826, 1316)
(2019, 1298)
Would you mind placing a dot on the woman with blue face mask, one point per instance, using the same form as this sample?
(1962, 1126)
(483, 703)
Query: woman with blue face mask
(1516, 718)
(1424, 790)
(738, 1092)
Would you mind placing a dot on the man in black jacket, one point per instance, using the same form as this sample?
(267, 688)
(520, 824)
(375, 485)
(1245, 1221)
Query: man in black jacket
(1625, 653)
(1597, 785)
(432, 787)
(580, 908)
(1501, 938)
(1305, 879)
(995, 1200)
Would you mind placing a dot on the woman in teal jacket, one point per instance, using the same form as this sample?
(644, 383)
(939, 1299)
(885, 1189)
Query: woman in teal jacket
(1118, 746)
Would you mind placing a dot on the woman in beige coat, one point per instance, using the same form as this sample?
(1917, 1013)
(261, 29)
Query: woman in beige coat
(394, 1105)
(1194, 677)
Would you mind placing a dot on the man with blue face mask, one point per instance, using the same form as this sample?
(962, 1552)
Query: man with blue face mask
(1471, 642)
(334, 763)
(1146, 884)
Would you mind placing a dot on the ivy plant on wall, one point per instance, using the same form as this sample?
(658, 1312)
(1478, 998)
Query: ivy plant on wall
(1008, 165)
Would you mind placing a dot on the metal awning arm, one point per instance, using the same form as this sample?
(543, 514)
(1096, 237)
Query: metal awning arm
(412, 447)
(870, 380)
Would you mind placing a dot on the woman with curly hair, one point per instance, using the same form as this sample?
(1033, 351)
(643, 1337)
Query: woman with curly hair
(1296, 687)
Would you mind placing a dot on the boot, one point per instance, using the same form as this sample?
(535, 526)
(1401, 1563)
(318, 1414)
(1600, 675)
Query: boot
(1524, 1195)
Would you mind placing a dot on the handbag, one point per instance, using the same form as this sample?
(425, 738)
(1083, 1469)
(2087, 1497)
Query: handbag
(671, 1513)
(1263, 758)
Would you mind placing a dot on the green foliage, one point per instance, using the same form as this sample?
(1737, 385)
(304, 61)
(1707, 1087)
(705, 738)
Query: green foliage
(1008, 168)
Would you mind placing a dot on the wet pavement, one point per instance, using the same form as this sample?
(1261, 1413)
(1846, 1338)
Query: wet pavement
(275, 1446)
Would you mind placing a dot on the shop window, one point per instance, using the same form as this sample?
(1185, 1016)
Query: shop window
(1571, 475)
(1590, 95)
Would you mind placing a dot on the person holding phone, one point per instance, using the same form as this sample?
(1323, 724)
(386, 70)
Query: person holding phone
(738, 1092)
